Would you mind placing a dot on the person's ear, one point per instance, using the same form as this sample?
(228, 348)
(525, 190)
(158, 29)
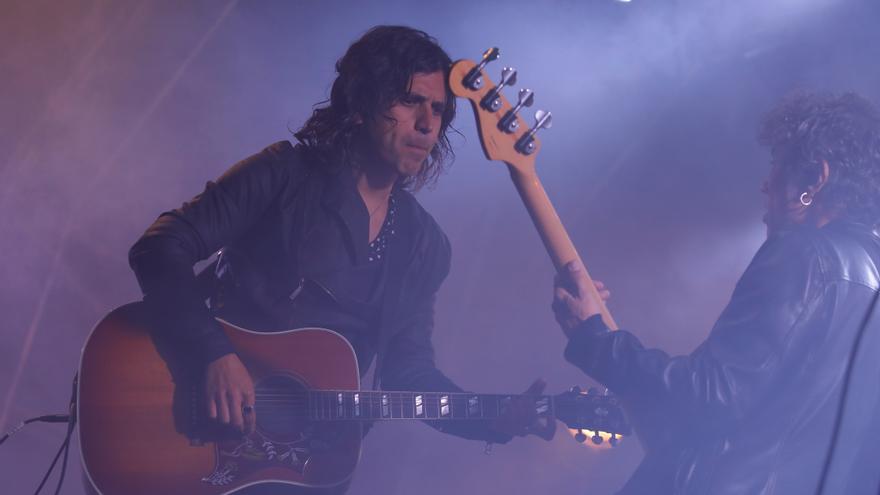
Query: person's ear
(822, 180)
(806, 197)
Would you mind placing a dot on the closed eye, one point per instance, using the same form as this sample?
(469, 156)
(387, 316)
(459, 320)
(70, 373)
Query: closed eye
(411, 99)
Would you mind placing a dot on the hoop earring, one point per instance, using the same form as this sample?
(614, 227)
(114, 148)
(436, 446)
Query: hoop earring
(806, 200)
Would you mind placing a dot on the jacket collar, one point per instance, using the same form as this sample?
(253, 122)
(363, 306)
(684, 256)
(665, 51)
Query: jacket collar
(341, 197)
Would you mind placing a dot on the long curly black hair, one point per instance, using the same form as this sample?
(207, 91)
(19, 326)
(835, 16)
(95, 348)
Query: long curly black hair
(373, 74)
(806, 129)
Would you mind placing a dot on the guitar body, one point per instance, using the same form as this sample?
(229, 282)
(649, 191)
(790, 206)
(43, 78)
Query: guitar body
(141, 415)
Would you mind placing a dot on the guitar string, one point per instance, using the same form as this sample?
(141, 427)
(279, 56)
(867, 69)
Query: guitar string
(375, 408)
(331, 399)
(315, 405)
(437, 399)
(408, 396)
(334, 397)
(349, 403)
(331, 412)
(327, 402)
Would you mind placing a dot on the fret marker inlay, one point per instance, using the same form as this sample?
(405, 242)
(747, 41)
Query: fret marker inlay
(420, 408)
(543, 405)
(473, 405)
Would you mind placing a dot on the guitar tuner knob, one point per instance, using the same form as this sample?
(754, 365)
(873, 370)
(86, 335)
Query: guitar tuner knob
(492, 100)
(526, 97)
(526, 143)
(614, 440)
(491, 54)
(543, 120)
(509, 122)
(597, 439)
(580, 436)
(508, 76)
(473, 79)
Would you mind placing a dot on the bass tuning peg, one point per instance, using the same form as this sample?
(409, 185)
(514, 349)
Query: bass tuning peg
(526, 143)
(492, 100)
(543, 120)
(473, 79)
(509, 123)
(526, 97)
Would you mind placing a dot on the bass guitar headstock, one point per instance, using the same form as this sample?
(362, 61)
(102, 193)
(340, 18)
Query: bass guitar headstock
(598, 413)
(504, 134)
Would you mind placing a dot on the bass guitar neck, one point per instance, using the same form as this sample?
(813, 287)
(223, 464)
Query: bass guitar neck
(506, 137)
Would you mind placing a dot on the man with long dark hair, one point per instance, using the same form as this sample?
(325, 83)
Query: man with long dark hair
(324, 233)
(753, 409)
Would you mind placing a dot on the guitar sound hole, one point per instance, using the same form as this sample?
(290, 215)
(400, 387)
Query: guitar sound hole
(282, 406)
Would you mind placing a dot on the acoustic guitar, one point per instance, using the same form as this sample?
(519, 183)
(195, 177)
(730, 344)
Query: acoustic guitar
(143, 427)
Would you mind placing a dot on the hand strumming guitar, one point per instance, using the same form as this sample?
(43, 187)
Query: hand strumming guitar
(229, 392)
(572, 301)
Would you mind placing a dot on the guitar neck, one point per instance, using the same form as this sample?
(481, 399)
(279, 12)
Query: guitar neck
(550, 228)
(339, 405)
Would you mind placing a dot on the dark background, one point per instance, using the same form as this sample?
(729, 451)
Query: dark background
(113, 111)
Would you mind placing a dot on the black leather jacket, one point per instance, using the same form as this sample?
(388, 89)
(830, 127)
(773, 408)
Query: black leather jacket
(264, 212)
(751, 410)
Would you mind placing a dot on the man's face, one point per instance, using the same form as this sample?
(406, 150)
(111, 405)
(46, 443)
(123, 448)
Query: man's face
(408, 131)
(782, 202)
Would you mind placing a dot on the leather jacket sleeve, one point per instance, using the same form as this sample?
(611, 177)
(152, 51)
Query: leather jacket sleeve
(163, 257)
(409, 363)
(753, 343)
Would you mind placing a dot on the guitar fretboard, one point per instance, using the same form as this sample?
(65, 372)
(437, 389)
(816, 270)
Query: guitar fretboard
(328, 405)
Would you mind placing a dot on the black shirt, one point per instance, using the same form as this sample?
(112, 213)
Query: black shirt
(346, 295)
